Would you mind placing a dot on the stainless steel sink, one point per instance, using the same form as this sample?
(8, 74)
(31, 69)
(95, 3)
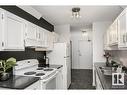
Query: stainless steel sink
(106, 70)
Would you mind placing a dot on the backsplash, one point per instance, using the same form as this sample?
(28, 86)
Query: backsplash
(120, 55)
(22, 55)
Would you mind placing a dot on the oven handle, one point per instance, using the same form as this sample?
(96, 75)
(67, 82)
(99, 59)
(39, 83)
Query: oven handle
(50, 78)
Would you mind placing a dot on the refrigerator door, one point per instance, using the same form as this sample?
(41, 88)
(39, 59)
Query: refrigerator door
(58, 54)
(61, 56)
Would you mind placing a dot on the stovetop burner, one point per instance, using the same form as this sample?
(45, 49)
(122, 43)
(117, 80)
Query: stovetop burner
(30, 73)
(48, 69)
(40, 68)
(40, 74)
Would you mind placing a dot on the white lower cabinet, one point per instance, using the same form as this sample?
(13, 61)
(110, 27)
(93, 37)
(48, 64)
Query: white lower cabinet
(98, 83)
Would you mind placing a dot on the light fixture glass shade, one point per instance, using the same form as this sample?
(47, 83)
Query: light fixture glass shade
(76, 13)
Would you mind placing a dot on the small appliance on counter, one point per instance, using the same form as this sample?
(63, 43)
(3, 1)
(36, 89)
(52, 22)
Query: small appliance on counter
(43, 62)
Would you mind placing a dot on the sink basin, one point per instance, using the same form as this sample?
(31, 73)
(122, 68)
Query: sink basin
(106, 70)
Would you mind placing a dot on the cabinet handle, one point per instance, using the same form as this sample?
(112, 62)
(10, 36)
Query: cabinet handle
(2, 44)
(2, 16)
(39, 36)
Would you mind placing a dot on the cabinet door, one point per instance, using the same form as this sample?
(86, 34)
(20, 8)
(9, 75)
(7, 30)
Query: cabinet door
(114, 33)
(110, 35)
(1, 17)
(106, 44)
(45, 39)
(39, 37)
(122, 31)
(50, 41)
(115, 29)
(13, 32)
(31, 32)
(55, 37)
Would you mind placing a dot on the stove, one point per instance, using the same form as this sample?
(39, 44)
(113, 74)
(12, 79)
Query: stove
(30, 68)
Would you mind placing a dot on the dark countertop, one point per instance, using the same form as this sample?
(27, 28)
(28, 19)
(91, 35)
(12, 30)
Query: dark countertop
(18, 82)
(106, 81)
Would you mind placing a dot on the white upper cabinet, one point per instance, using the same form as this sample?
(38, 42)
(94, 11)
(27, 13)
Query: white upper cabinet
(1, 18)
(31, 31)
(13, 28)
(17, 33)
(113, 33)
(39, 36)
(106, 40)
(31, 35)
(122, 29)
(117, 32)
(50, 41)
(45, 39)
(55, 37)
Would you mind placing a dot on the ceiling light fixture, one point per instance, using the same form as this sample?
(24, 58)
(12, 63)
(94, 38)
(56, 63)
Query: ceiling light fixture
(76, 12)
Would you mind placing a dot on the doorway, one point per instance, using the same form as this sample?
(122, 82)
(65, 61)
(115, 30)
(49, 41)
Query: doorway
(84, 54)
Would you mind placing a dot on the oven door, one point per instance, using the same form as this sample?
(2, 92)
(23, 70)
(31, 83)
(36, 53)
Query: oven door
(50, 81)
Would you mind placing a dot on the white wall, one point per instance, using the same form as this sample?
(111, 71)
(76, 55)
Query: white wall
(64, 32)
(99, 28)
(76, 35)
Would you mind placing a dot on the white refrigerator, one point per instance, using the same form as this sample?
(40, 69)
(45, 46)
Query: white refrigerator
(61, 56)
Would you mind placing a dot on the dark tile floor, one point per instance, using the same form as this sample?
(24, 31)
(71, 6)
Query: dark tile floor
(81, 79)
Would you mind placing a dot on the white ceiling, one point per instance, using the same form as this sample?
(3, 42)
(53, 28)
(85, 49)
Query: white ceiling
(58, 15)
